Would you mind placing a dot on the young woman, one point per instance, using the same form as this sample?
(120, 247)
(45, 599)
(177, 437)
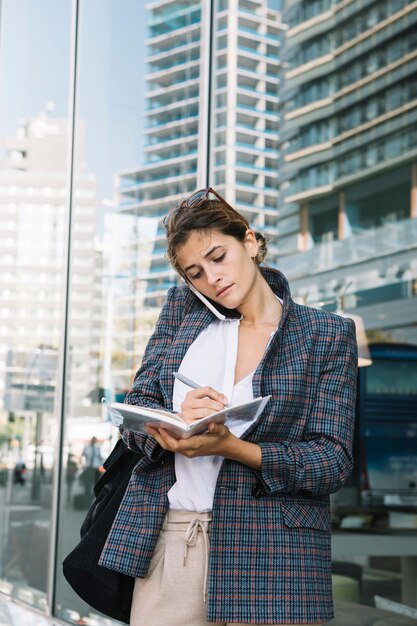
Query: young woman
(233, 526)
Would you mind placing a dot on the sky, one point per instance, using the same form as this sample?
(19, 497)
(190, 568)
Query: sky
(34, 56)
(35, 49)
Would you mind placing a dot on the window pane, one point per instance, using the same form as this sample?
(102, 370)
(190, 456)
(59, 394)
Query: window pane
(101, 332)
(33, 194)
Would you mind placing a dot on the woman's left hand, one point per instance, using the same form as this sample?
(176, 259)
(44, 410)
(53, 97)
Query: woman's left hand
(217, 441)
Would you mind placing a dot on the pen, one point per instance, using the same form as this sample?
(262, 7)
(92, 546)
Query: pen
(187, 381)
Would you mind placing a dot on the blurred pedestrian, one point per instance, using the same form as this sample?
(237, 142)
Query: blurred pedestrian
(93, 460)
(71, 472)
(19, 473)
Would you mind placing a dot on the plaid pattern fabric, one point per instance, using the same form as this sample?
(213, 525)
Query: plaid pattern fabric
(270, 541)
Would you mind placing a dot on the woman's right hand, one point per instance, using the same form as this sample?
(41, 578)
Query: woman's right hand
(201, 402)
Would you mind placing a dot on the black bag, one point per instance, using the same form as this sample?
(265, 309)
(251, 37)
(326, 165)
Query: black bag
(105, 590)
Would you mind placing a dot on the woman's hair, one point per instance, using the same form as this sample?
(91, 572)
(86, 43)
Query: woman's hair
(210, 215)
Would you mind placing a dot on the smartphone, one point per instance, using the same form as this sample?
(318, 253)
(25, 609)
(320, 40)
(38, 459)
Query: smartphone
(221, 312)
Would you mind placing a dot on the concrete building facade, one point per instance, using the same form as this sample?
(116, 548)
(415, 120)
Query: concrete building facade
(348, 175)
(32, 263)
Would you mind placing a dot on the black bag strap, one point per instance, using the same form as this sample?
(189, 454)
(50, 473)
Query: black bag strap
(118, 458)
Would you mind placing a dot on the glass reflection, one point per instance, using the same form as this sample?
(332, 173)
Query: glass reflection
(107, 141)
(33, 190)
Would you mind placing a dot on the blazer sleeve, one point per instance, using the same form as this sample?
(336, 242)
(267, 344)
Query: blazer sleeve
(146, 390)
(322, 462)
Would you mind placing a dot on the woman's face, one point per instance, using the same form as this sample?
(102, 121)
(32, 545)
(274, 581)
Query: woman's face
(219, 266)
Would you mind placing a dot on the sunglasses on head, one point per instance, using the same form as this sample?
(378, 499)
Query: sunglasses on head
(195, 200)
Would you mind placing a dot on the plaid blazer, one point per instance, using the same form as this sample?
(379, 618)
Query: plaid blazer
(270, 558)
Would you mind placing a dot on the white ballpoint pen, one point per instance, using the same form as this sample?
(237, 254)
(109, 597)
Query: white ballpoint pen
(187, 381)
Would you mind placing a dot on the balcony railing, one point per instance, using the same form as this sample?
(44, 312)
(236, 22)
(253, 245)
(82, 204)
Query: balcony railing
(370, 244)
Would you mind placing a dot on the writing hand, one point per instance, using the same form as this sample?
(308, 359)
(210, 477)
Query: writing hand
(201, 402)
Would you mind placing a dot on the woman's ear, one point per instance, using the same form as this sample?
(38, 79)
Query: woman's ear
(251, 243)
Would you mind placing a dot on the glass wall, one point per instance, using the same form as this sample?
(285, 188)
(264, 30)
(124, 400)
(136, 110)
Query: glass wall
(107, 140)
(60, 159)
(34, 139)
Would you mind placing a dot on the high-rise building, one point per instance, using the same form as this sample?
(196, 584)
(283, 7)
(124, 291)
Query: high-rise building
(212, 119)
(32, 262)
(348, 175)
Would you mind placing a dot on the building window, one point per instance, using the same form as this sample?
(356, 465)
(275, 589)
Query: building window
(323, 227)
(383, 199)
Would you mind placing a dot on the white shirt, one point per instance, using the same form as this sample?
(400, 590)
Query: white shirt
(210, 360)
